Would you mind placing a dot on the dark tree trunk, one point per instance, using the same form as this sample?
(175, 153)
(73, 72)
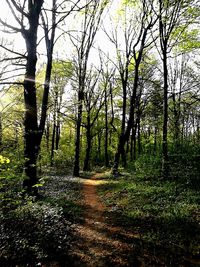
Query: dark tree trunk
(155, 138)
(89, 139)
(106, 131)
(47, 135)
(78, 133)
(165, 116)
(31, 145)
(120, 148)
(131, 146)
(139, 136)
(99, 145)
(30, 122)
(176, 110)
(53, 140)
(49, 47)
(45, 99)
(134, 141)
(120, 151)
(57, 135)
(88, 149)
(53, 143)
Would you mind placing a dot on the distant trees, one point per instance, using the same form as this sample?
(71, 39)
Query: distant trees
(83, 42)
(138, 97)
(135, 42)
(168, 14)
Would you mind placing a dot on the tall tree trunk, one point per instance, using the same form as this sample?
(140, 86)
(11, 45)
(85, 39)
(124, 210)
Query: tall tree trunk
(30, 120)
(120, 148)
(31, 148)
(49, 47)
(88, 149)
(53, 140)
(57, 135)
(139, 136)
(53, 143)
(134, 142)
(155, 138)
(99, 145)
(106, 131)
(78, 133)
(165, 116)
(47, 135)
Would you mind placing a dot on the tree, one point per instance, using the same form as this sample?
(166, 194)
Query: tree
(27, 15)
(61, 73)
(90, 24)
(94, 101)
(169, 17)
(135, 44)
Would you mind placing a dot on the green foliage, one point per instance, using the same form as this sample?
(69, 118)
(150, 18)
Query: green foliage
(10, 184)
(3, 161)
(32, 233)
(42, 231)
(162, 211)
(147, 166)
(188, 39)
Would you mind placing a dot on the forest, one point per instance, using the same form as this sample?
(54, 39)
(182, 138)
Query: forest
(100, 133)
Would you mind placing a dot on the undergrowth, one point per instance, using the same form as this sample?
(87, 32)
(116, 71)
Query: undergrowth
(164, 212)
(35, 232)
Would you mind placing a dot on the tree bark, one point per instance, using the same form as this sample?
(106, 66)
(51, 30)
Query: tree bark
(106, 131)
(78, 133)
(88, 149)
(31, 148)
(165, 115)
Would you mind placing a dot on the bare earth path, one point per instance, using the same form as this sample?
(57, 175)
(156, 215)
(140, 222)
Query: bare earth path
(101, 244)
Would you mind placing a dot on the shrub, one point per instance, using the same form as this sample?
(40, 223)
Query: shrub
(33, 232)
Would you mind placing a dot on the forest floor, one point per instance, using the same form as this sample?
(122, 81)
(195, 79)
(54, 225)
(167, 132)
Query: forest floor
(101, 242)
(99, 221)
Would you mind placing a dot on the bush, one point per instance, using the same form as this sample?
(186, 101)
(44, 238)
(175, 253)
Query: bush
(33, 232)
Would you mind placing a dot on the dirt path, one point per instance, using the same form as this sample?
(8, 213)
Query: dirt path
(101, 244)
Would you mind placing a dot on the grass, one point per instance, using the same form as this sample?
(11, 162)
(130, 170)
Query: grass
(164, 212)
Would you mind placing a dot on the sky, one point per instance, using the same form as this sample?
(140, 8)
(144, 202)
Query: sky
(60, 48)
(63, 49)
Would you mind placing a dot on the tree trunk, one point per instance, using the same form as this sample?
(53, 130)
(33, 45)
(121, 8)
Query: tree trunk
(165, 116)
(120, 149)
(30, 121)
(106, 131)
(99, 145)
(31, 148)
(88, 149)
(57, 135)
(53, 143)
(155, 138)
(78, 133)
(47, 135)
(139, 136)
